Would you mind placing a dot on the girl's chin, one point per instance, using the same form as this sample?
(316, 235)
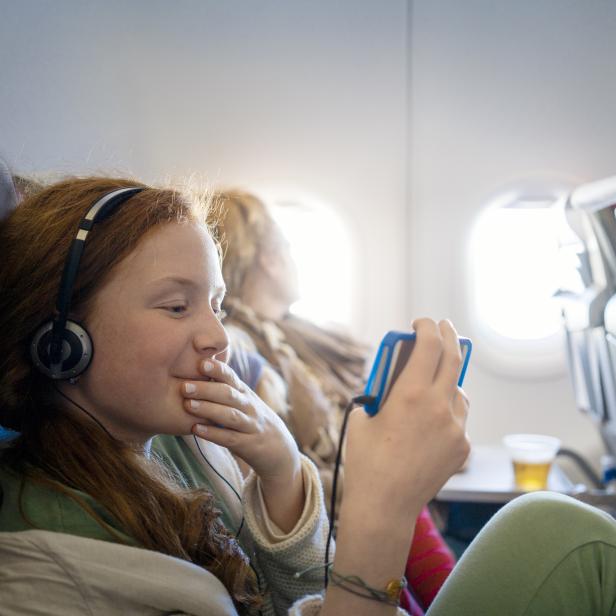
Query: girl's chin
(186, 429)
(182, 426)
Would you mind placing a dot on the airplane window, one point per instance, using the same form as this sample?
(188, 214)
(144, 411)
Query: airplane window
(322, 249)
(521, 254)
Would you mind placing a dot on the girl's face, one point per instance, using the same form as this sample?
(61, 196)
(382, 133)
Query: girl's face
(151, 324)
(282, 269)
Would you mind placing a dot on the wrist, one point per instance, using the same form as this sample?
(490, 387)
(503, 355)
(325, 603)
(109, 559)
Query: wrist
(387, 539)
(284, 498)
(290, 474)
(355, 585)
(370, 516)
(377, 556)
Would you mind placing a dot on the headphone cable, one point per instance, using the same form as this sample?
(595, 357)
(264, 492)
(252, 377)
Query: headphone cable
(84, 410)
(239, 530)
(332, 506)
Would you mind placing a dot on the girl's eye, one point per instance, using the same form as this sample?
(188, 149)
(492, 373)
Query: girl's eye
(178, 309)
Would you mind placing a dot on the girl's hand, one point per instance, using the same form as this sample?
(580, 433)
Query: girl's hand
(396, 461)
(408, 450)
(227, 412)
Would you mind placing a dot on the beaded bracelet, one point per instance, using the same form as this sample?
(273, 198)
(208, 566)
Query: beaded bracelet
(391, 594)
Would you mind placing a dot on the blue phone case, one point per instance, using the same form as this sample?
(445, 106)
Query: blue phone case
(393, 353)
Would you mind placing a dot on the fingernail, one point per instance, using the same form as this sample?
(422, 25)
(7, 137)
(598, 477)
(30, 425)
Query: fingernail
(200, 429)
(207, 366)
(190, 388)
(195, 404)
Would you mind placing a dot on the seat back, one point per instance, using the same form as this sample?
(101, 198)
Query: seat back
(591, 338)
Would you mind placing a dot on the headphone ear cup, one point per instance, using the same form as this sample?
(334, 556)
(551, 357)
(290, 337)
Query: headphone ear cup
(76, 351)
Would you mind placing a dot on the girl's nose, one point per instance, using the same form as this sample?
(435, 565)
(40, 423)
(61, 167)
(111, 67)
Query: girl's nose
(212, 338)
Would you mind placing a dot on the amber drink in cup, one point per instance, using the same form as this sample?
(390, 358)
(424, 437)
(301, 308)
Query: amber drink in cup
(532, 456)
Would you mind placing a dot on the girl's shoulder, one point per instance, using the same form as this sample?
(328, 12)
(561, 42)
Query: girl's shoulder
(28, 504)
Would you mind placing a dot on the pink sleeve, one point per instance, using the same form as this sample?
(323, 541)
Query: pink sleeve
(430, 560)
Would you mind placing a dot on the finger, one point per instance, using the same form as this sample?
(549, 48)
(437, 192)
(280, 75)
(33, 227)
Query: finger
(451, 358)
(225, 438)
(214, 391)
(221, 372)
(423, 363)
(223, 416)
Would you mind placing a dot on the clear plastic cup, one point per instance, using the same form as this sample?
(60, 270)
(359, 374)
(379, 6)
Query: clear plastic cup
(532, 456)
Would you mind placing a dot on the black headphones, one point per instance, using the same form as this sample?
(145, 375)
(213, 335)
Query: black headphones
(62, 349)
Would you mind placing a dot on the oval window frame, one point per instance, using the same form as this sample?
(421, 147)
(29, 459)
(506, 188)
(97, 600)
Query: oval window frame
(279, 198)
(523, 359)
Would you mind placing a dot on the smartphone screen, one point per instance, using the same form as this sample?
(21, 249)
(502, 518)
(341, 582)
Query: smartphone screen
(401, 352)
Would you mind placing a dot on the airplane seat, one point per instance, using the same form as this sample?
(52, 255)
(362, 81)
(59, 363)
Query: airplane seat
(589, 312)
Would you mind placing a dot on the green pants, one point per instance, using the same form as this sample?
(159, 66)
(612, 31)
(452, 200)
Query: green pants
(543, 554)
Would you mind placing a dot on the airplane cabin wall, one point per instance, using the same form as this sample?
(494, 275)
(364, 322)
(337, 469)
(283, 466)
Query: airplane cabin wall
(289, 97)
(501, 93)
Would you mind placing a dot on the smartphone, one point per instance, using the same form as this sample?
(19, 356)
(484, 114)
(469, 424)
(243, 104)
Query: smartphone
(394, 351)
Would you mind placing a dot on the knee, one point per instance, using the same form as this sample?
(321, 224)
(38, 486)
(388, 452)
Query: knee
(549, 514)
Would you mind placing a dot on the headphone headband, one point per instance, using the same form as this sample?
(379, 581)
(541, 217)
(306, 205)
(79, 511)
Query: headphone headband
(101, 210)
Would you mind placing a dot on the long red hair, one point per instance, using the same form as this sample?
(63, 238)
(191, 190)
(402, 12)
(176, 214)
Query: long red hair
(60, 449)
